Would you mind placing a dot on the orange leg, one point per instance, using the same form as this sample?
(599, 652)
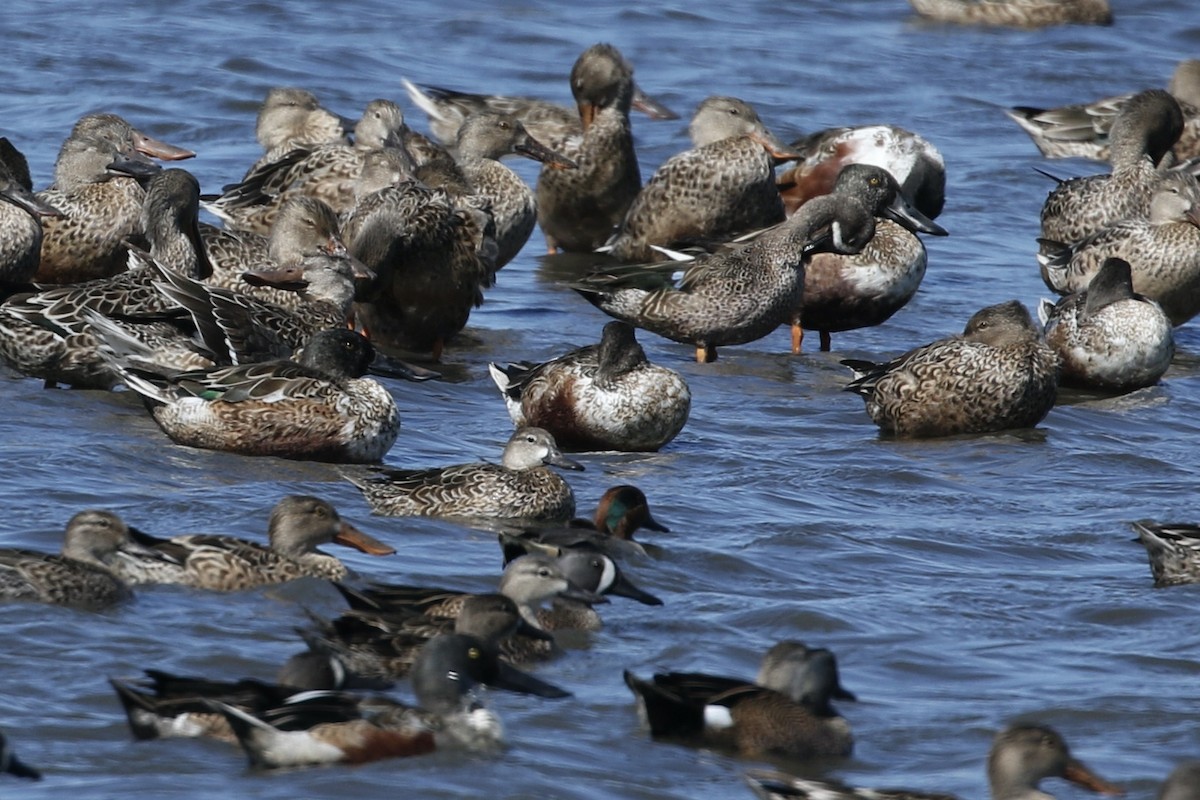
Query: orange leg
(797, 337)
(705, 354)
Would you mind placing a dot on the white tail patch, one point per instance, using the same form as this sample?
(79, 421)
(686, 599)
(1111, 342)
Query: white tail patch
(422, 100)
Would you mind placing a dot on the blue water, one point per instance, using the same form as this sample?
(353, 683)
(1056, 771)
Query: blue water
(963, 583)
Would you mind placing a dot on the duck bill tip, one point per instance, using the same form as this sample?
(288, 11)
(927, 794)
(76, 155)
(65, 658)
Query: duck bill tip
(350, 536)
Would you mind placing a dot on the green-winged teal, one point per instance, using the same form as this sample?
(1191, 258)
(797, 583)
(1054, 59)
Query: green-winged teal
(1107, 336)
(520, 487)
(621, 512)
(1016, 13)
(1022, 756)
(998, 374)
(1173, 549)
(785, 712)
(599, 397)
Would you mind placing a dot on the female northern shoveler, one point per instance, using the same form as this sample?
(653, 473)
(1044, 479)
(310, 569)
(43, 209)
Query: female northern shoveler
(621, 512)
(1147, 127)
(599, 397)
(1082, 130)
(445, 676)
(1174, 551)
(10, 764)
(738, 294)
(83, 574)
(1022, 756)
(1163, 250)
(848, 291)
(997, 375)
(722, 187)
(318, 407)
(786, 712)
(291, 118)
(298, 525)
(1016, 13)
(20, 221)
(1108, 337)
(521, 486)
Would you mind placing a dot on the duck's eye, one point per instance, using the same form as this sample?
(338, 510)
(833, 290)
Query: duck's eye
(504, 125)
(733, 111)
(543, 573)
(474, 653)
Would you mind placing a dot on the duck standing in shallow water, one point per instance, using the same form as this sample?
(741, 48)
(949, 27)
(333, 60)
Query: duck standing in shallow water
(722, 187)
(1108, 337)
(999, 374)
(600, 397)
(1021, 757)
(521, 486)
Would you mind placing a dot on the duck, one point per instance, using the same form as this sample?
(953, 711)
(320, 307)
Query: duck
(548, 122)
(1107, 336)
(1183, 783)
(290, 118)
(737, 294)
(784, 712)
(1082, 129)
(1022, 755)
(914, 161)
(319, 407)
(298, 524)
(723, 187)
(598, 397)
(520, 487)
(21, 212)
(11, 765)
(621, 511)
(1016, 13)
(445, 677)
(98, 194)
(1145, 129)
(999, 374)
(578, 208)
(1173, 549)
(1162, 250)
(860, 290)
(84, 574)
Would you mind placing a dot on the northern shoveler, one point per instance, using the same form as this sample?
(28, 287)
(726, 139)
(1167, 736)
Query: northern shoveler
(998, 374)
(1016, 13)
(599, 397)
(1173, 549)
(20, 221)
(1107, 336)
(786, 711)
(521, 486)
(291, 118)
(1022, 756)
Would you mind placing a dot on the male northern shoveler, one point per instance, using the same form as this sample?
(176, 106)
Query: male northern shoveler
(998, 374)
(857, 290)
(10, 764)
(1108, 337)
(298, 525)
(521, 486)
(599, 397)
(1162, 250)
(83, 574)
(785, 712)
(1016, 13)
(738, 294)
(1174, 551)
(1082, 130)
(621, 512)
(722, 187)
(1147, 127)
(318, 407)
(445, 676)
(1022, 756)
(915, 163)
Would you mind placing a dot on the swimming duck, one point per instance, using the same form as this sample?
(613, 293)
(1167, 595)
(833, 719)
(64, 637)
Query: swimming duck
(786, 711)
(83, 574)
(915, 163)
(10, 764)
(1082, 130)
(849, 291)
(20, 221)
(578, 208)
(291, 118)
(318, 407)
(1108, 337)
(599, 397)
(1146, 128)
(738, 294)
(1022, 756)
(521, 486)
(1162, 250)
(722, 187)
(445, 676)
(1174, 551)
(998, 374)
(621, 512)
(298, 524)
(1016, 13)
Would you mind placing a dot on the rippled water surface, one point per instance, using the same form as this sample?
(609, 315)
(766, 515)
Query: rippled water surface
(963, 583)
